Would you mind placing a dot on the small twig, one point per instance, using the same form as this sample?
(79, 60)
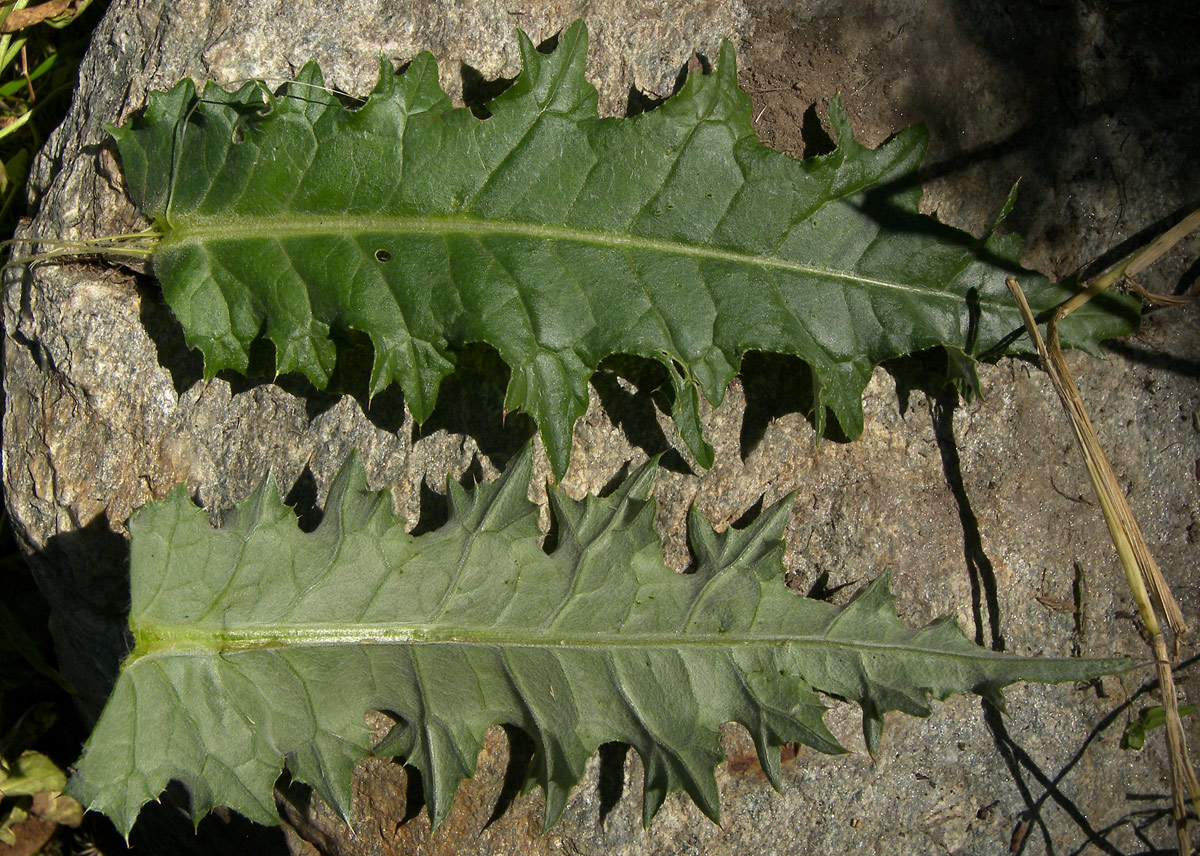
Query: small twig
(1158, 299)
(1132, 264)
(1141, 571)
(25, 74)
(1151, 253)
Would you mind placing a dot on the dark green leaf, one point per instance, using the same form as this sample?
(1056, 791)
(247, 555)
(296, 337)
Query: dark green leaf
(559, 238)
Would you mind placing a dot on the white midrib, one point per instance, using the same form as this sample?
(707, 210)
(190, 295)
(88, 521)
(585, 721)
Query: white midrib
(198, 231)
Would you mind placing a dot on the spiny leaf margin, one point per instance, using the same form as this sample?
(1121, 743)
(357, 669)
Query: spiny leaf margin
(560, 238)
(259, 648)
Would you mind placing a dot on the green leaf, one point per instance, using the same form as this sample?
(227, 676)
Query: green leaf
(260, 647)
(31, 773)
(559, 238)
(1134, 735)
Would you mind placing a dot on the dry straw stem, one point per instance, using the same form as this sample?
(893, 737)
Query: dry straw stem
(1142, 572)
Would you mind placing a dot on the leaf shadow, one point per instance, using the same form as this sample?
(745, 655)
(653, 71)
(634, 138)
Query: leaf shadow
(471, 402)
(84, 574)
(517, 773)
(303, 500)
(985, 610)
(185, 364)
(414, 794)
(774, 386)
(479, 91)
(165, 826)
(470, 399)
(633, 390)
(610, 784)
(813, 135)
(434, 509)
(351, 374)
(639, 102)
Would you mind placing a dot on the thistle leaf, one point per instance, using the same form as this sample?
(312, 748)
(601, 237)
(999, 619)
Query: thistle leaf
(559, 238)
(259, 648)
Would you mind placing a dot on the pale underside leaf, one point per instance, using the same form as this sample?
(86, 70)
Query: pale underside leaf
(260, 648)
(559, 238)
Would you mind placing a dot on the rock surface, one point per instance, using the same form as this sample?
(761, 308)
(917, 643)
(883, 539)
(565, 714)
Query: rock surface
(981, 510)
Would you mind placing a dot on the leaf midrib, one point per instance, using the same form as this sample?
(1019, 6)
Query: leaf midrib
(199, 230)
(182, 640)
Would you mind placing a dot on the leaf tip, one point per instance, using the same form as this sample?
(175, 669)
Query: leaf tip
(872, 724)
(839, 121)
(727, 62)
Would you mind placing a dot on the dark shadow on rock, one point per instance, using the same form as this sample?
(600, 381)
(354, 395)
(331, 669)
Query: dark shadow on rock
(1184, 366)
(1136, 241)
(471, 402)
(610, 781)
(351, 374)
(776, 385)
(166, 827)
(635, 411)
(1189, 281)
(749, 515)
(414, 793)
(84, 574)
(640, 102)
(478, 91)
(821, 590)
(435, 505)
(982, 574)
(1018, 762)
(521, 755)
(816, 139)
(1124, 79)
(985, 608)
(618, 479)
(924, 371)
(186, 365)
(294, 802)
(302, 497)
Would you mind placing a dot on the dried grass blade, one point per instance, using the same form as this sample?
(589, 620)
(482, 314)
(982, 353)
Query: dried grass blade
(1140, 568)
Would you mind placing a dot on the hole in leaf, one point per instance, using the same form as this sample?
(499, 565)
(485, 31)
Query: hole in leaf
(383, 256)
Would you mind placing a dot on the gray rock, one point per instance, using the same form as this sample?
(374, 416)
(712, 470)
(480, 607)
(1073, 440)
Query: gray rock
(981, 510)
